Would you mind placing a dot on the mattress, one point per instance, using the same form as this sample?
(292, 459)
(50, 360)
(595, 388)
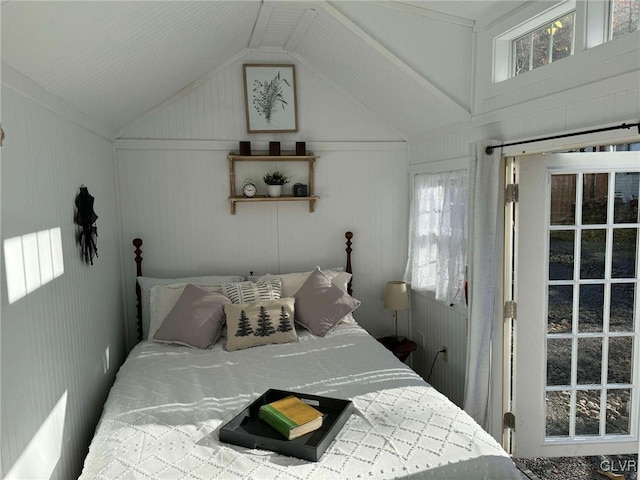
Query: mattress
(162, 415)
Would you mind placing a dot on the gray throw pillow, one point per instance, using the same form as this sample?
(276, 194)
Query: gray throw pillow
(320, 305)
(147, 283)
(196, 319)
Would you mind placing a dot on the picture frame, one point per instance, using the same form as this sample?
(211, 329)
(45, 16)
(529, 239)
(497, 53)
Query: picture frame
(270, 98)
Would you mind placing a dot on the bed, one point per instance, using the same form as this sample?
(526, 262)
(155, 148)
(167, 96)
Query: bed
(162, 416)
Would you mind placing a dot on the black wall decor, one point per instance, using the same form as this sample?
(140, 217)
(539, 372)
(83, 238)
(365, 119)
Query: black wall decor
(85, 218)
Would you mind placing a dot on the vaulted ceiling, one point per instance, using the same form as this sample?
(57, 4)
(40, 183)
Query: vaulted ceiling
(113, 61)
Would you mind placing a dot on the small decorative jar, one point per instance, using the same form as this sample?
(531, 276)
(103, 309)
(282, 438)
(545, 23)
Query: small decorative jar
(274, 148)
(299, 190)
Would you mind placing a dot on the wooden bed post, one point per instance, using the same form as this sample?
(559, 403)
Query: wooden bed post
(349, 236)
(137, 242)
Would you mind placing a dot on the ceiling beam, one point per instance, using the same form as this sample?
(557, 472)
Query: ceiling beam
(302, 27)
(459, 111)
(425, 11)
(260, 27)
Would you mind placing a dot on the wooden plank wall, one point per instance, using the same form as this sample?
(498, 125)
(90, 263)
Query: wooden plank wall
(63, 342)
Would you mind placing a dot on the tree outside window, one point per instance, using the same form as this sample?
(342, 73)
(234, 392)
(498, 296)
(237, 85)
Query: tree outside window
(625, 16)
(548, 43)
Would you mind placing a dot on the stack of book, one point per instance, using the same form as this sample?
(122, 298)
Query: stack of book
(291, 417)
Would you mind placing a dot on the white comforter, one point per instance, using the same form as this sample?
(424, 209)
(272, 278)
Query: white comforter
(161, 418)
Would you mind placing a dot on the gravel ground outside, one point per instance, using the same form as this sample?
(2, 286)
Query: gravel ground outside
(582, 468)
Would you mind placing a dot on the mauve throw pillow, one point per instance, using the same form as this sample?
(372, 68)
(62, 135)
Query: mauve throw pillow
(196, 319)
(320, 305)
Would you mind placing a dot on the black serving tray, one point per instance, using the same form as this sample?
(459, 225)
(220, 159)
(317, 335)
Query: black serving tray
(247, 430)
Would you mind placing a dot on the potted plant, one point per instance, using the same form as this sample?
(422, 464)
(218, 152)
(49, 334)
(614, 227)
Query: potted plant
(274, 183)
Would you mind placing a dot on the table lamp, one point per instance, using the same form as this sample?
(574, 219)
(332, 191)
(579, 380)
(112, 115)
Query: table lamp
(396, 298)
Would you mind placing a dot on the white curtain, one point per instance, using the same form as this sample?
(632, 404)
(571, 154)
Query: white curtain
(438, 235)
(484, 348)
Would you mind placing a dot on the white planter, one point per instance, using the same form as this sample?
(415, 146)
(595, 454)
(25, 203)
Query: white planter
(274, 190)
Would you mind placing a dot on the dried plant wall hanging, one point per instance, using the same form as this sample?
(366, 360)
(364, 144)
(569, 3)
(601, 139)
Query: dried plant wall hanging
(270, 98)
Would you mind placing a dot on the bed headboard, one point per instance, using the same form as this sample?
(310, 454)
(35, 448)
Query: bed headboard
(137, 242)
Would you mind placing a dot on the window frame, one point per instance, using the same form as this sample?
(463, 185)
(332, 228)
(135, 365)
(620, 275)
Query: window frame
(504, 61)
(591, 28)
(512, 59)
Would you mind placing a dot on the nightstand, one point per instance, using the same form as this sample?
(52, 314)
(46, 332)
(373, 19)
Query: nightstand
(401, 347)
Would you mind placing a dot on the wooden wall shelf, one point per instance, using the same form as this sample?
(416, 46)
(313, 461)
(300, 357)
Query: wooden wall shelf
(234, 198)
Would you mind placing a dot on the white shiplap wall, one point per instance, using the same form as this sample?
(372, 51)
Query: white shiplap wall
(436, 325)
(66, 336)
(176, 198)
(176, 201)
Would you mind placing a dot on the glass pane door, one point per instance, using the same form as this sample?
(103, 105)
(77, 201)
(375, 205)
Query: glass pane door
(576, 358)
(592, 290)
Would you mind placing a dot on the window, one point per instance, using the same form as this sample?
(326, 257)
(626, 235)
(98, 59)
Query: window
(545, 38)
(625, 15)
(567, 28)
(544, 45)
(438, 235)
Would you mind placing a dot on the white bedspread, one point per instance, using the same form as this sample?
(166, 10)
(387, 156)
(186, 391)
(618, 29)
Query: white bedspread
(161, 418)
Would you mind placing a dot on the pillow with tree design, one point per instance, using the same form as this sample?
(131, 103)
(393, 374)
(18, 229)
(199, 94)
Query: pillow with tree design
(260, 323)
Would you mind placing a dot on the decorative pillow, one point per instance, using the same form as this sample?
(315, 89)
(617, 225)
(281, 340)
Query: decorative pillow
(260, 323)
(348, 320)
(339, 279)
(320, 305)
(291, 282)
(196, 319)
(146, 283)
(164, 297)
(248, 292)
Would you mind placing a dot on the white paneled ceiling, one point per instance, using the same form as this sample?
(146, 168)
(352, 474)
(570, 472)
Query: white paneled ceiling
(375, 77)
(115, 60)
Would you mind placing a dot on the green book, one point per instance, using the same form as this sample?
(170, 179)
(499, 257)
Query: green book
(291, 417)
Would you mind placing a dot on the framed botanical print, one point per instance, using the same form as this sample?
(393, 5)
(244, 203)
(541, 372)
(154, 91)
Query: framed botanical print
(270, 98)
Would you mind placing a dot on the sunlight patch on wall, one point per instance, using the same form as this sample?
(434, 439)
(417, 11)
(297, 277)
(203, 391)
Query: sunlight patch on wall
(42, 454)
(31, 261)
(106, 360)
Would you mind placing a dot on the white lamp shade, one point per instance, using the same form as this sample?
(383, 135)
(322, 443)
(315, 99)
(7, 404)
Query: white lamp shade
(396, 296)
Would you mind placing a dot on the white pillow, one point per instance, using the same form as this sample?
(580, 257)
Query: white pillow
(147, 283)
(291, 282)
(164, 298)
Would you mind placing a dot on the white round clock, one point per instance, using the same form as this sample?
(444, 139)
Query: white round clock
(249, 189)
